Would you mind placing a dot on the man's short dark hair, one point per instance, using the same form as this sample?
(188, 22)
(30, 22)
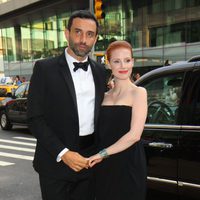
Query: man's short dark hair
(83, 14)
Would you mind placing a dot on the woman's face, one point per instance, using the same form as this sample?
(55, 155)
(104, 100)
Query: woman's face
(121, 63)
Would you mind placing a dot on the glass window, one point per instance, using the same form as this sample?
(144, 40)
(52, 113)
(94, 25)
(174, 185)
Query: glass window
(193, 3)
(193, 31)
(26, 42)
(26, 92)
(8, 41)
(62, 23)
(190, 105)
(37, 40)
(113, 26)
(135, 29)
(158, 31)
(19, 93)
(50, 35)
(163, 99)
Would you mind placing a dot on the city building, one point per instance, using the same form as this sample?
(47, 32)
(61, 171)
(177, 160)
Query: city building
(159, 30)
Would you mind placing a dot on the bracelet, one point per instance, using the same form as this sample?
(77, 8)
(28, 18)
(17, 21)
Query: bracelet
(103, 153)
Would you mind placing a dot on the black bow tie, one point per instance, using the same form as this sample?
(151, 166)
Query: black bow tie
(82, 65)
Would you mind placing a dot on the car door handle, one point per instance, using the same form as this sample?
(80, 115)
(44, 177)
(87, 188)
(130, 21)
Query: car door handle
(161, 145)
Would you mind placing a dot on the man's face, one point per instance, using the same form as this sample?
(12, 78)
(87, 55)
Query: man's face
(81, 37)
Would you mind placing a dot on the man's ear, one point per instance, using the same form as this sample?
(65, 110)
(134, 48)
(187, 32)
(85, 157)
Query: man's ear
(67, 34)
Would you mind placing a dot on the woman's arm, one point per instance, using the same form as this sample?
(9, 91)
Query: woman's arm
(139, 113)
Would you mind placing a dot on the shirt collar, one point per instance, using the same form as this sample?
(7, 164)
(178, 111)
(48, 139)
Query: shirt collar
(71, 59)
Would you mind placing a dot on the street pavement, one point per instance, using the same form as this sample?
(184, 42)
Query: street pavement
(18, 180)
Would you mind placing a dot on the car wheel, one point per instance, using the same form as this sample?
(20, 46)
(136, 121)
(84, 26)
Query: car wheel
(4, 121)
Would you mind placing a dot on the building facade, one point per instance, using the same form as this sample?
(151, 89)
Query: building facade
(159, 30)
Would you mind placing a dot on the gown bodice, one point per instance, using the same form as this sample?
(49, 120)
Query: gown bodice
(114, 122)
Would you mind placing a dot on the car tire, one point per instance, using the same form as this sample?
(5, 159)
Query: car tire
(4, 121)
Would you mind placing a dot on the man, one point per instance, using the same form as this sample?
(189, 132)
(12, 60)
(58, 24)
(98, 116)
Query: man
(63, 105)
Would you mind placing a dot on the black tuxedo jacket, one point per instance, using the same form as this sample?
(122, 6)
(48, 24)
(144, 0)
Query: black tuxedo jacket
(53, 115)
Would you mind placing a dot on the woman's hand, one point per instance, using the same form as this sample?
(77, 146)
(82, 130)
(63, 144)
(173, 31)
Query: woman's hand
(93, 160)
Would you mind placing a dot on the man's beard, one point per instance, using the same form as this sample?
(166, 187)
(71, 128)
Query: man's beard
(77, 52)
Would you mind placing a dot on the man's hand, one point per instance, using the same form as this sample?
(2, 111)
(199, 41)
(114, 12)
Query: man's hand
(75, 161)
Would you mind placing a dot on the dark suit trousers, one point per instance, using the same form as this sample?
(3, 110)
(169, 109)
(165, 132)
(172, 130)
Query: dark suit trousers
(56, 189)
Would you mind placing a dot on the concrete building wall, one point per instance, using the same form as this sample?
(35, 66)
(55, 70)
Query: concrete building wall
(11, 5)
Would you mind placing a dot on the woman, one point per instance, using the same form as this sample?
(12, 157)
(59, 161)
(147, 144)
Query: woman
(121, 123)
(17, 80)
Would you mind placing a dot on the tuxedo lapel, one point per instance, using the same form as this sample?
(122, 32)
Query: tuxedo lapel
(97, 83)
(65, 73)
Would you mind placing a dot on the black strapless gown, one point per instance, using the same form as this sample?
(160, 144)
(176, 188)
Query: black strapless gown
(122, 176)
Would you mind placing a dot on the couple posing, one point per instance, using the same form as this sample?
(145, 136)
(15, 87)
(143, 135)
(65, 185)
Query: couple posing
(73, 119)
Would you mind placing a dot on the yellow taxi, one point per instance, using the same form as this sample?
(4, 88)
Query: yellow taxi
(6, 87)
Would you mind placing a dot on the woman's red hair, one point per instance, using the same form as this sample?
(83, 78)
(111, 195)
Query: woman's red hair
(116, 45)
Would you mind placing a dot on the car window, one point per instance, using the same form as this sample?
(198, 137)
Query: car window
(6, 81)
(163, 98)
(19, 93)
(26, 92)
(190, 102)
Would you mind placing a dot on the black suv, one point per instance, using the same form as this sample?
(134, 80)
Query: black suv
(172, 131)
(13, 110)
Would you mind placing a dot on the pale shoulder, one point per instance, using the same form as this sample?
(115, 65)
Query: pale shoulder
(139, 95)
(138, 91)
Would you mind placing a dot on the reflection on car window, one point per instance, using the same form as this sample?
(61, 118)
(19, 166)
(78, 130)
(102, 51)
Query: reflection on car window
(19, 93)
(26, 92)
(190, 104)
(163, 99)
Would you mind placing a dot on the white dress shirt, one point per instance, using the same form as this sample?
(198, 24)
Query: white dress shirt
(85, 96)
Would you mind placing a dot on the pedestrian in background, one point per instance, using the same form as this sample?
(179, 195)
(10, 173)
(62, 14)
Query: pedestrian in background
(166, 63)
(136, 76)
(23, 79)
(63, 105)
(17, 80)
